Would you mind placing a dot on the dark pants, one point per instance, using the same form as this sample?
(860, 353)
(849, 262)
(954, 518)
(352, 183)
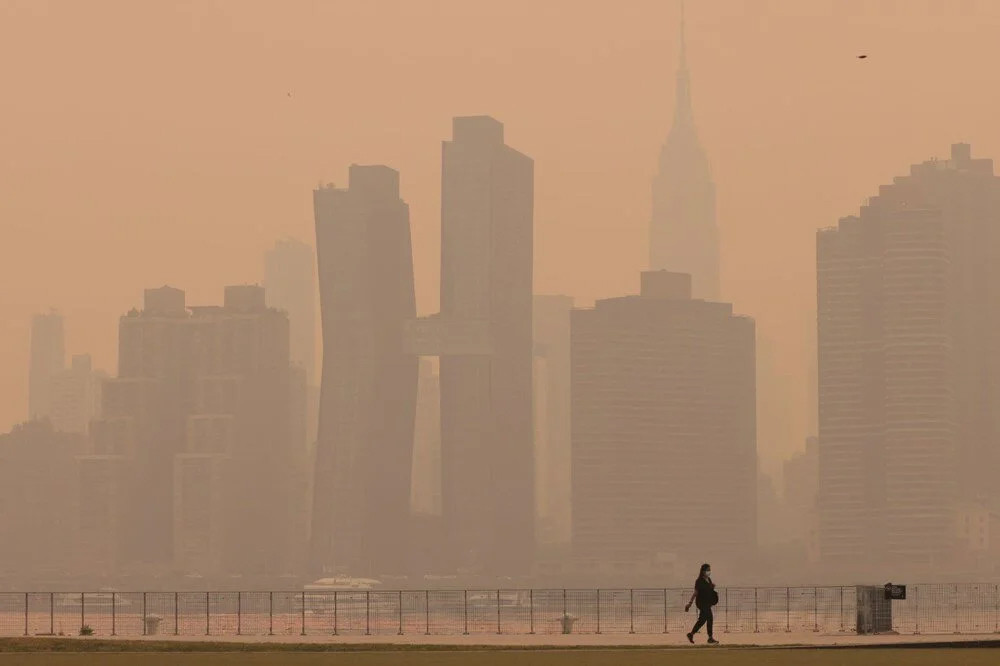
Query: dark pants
(704, 617)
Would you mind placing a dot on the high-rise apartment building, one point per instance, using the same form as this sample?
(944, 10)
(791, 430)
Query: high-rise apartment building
(364, 454)
(202, 397)
(909, 363)
(683, 235)
(487, 452)
(48, 358)
(664, 455)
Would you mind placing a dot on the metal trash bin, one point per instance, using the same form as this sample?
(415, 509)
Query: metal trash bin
(567, 621)
(874, 611)
(152, 623)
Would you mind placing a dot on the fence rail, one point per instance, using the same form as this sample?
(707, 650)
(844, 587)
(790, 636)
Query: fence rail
(939, 608)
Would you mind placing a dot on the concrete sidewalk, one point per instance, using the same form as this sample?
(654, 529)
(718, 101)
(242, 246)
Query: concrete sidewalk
(587, 640)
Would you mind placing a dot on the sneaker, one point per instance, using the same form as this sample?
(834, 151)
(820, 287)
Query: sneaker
(691, 638)
(712, 641)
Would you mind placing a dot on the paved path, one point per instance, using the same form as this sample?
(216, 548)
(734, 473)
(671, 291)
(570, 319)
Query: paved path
(594, 640)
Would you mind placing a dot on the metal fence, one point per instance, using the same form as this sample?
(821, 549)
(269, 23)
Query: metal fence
(961, 608)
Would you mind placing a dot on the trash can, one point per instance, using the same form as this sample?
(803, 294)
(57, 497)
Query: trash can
(153, 624)
(567, 621)
(874, 611)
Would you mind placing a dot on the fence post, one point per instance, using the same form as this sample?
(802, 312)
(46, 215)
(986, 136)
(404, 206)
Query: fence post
(841, 630)
(564, 602)
(113, 622)
(916, 609)
(400, 612)
(465, 594)
(303, 599)
(531, 611)
(815, 609)
(52, 614)
(26, 614)
(725, 619)
(996, 609)
(665, 610)
(143, 613)
(83, 616)
(368, 613)
(239, 613)
(427, 613)
(208, 615)
(270, 613)
(756, 628)
(176, 625)
(631, 611)
(336, 628)
(598, 610)
(498, 612)
(788, 612)
(956, 609)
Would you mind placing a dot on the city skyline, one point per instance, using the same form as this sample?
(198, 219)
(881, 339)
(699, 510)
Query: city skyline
(443, 248)
(595, 168)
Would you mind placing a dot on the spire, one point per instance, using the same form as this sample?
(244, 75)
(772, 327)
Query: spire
(682, 112)
(683, 58)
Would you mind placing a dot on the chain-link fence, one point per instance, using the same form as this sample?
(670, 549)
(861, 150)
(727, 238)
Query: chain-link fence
(938, 608)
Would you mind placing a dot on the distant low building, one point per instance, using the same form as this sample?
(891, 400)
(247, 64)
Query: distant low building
(48, 358)
(38, 494)
(75, 396)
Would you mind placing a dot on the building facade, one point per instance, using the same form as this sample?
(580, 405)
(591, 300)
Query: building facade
(664, 467)
(908, 366)
(48, 358)
(290, 285)
(364, 454)
(550, 321)
(75, 395)
(196, 430)
(487, 452)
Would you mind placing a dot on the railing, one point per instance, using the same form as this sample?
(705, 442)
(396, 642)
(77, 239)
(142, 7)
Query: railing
(961, 608)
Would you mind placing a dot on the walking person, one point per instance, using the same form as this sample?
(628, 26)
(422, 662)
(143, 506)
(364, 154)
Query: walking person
(704, 597)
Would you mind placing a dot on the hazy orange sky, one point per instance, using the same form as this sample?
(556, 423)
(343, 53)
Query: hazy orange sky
(144, 143)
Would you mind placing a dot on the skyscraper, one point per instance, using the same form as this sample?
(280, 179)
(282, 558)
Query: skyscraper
(48, 357)
(664, 467)
(364, 450)
(487, 457)
(908, 297)
(683, 236)
(290, 285)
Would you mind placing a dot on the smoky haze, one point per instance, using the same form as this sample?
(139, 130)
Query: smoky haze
(174, 144)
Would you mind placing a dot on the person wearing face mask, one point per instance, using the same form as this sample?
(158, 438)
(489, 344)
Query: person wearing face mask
(704, 597)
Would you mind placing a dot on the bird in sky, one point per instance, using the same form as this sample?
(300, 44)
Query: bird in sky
(862, 56)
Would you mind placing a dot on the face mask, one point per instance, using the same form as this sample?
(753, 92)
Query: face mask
(708, 574)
